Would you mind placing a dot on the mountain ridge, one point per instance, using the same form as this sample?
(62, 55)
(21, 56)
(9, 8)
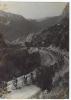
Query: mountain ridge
(14, 26)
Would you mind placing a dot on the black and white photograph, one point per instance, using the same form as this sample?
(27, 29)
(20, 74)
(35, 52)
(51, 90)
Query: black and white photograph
(34, 50)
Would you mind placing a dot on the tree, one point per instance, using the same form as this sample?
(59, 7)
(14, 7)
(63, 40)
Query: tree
(3, 88)
(15, 81)
(44, 77)
(32, 78)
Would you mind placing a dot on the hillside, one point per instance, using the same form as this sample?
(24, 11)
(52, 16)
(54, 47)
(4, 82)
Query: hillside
(14, 26)
(57, 35)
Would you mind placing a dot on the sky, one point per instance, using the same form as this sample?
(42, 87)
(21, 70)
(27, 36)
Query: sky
(33, 10)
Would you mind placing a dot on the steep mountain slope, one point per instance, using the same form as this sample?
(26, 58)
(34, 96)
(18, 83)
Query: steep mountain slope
(66, 11)
(49, 21)
(57, 34)
(14, 26)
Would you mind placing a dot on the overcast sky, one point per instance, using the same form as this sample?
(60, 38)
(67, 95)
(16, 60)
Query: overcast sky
(33, 10)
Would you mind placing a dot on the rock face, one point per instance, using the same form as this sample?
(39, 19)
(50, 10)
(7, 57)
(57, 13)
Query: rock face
(66, 11)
